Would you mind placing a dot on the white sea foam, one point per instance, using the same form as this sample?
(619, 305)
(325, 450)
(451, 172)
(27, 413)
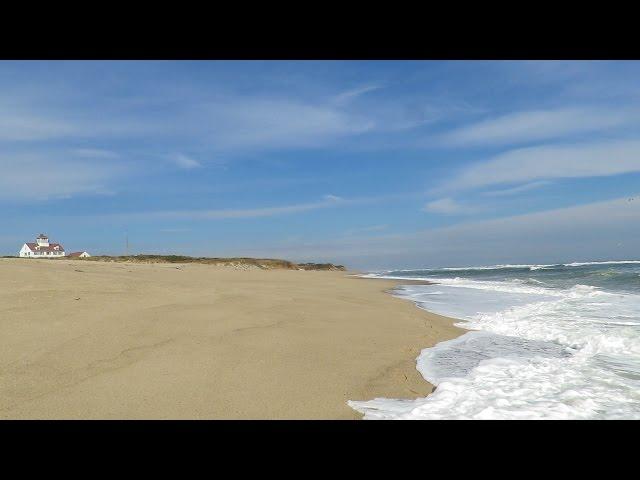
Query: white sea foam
(608, 262)
(517, 388)
(536, 352)
(454, 269)
(532, 267)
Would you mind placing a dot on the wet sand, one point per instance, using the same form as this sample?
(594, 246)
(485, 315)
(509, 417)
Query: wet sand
(164, 341)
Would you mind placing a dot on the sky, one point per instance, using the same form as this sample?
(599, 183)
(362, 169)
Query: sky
(371, 164)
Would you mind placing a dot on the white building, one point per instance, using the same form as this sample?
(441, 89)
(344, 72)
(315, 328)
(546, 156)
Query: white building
(42, 249)
(79, 255)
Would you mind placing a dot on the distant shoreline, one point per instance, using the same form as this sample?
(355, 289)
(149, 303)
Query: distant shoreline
(263, 263)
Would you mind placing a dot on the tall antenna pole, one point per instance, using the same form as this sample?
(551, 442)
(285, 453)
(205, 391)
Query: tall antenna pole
(126, 243)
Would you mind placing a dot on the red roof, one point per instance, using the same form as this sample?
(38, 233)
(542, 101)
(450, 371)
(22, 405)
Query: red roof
(50, 248)
(75, 254)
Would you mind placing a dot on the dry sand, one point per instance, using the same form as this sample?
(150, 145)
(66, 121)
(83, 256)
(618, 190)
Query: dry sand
(162, 341)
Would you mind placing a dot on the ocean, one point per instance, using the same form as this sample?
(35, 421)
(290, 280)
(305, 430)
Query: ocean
(555, 341)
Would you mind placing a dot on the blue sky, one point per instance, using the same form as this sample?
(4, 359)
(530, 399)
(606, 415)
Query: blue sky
(373, 164)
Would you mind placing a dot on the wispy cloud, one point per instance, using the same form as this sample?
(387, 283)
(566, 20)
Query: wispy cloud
(448, 206)
(368, 229)
(218, 119)
(18, 124)
(277, 123)
(328, 201)
(29, 117)
(332, 198)
(354, 93)
(549, 162)
(537, 125)
(222, 120)
(174, 230)
(184, 161)
(516, 190)
(40, 177)
(95, 153)
(566, 234)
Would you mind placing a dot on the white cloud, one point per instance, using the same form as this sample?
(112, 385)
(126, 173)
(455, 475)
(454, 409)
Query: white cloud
(223, 120)
(174, 230)
(184, 161)
(371, 228)
(549, 162)
(327, 201)
(216, 119)
(596, 231)
(515, 190)
(447, 206)
(41, 177)
(354, 93)
(20, 125)
(333, 198)
(537, 125)
(95, 153)
(219, 214)
(263, 212)
(277, 123)
(29, 117)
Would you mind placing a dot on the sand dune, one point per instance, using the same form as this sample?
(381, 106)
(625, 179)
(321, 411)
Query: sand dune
(116, 340)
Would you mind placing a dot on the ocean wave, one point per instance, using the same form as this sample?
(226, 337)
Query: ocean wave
(534, 351)
(520, 388)
(532, 267)
(607, 262)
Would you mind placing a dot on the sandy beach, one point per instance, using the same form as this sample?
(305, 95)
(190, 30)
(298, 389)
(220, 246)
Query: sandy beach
(92, 340)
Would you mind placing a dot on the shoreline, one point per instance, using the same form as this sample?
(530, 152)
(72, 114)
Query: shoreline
(533, 344)
(392, 291)
(116, 340)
